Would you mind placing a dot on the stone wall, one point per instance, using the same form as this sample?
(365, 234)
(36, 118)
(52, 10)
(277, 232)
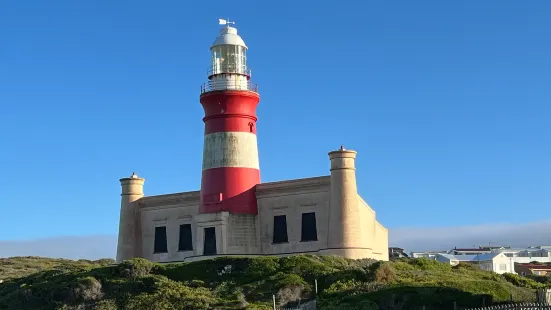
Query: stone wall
(241, 234)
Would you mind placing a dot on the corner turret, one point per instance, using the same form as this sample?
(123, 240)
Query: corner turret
(345, 236)
(129, 226)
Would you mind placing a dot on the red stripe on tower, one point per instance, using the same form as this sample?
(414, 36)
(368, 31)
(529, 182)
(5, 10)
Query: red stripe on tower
(230, 152)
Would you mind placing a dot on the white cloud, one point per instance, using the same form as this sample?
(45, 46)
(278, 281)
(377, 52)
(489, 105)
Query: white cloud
(412, 239)
(86, 247)
(445, 238)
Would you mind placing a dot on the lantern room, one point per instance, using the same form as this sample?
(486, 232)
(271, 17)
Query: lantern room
(229, 53)
(228, 70)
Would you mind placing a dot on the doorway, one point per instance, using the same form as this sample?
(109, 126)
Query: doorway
(209, 247)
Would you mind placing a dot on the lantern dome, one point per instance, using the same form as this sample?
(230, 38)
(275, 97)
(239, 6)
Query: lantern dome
(228, 36)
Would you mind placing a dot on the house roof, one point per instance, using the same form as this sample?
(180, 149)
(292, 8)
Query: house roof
(536, 266)
(448, 256)
(472, 250)
(471, 258)
(519, 250)
(430, 252)
(396, 248)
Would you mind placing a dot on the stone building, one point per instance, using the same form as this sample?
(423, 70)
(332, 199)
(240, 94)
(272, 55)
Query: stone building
(234, 213)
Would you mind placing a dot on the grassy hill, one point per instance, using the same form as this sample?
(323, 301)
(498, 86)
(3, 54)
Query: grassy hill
(17, 267)
(249, 283)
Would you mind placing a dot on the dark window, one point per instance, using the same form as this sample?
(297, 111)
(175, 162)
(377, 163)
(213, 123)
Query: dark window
(280, 229)
(186, 242)
(209, 247)
(309, 229)
(160, 240)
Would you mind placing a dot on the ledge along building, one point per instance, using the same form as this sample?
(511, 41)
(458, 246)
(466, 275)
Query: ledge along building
(234, 213)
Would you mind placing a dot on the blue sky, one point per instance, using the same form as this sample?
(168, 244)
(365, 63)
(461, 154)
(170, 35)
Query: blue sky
(447, 104)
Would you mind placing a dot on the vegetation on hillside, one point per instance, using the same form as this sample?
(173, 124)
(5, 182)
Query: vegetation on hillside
(249, 283)
(17, 267)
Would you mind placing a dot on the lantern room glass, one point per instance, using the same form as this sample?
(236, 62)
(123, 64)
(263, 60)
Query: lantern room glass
(229, 59)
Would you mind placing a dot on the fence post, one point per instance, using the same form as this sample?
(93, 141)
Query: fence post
(316, 284)
(273, 298)
(454, 305)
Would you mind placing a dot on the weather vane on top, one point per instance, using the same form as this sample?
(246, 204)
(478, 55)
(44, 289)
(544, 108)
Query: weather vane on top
(225, 21)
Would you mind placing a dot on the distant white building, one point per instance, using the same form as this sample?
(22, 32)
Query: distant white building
(426, 254)
(540, 254)
(473, 251)
(496, 262)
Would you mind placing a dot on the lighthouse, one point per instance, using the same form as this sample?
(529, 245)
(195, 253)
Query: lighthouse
(231, 168)
(233, 213)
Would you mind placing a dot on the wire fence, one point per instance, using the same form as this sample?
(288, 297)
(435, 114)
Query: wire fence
(521, 306)
(309, 305)
(542, 302)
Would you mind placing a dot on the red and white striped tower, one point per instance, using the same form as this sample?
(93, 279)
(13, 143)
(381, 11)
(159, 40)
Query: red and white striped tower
(230, 152)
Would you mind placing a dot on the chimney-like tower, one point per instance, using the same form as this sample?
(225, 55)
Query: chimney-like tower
(128, 245)
(345, 237)
(230, 152)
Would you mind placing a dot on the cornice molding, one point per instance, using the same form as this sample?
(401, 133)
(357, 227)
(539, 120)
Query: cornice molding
(306, 185)
(184, 198)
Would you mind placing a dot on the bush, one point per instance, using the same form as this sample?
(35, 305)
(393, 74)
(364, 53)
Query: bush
(87, 289)
(136, 267)
(106, 304)
(429, 264)
(466, 266)
(260, 267)
(239, 282)
(289, 293)
(344, 304)
(343, 285)
(522, 281)
(546, 280)
(171, 295)
(383, 272)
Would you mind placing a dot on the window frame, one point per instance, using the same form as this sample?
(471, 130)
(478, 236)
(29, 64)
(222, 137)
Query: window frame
(181, 247)
(284, 238)
(304, 234)
(157, 242)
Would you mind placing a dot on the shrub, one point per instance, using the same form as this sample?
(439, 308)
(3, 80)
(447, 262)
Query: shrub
(466, 266)
(171, 295)
(522, 281)
(308, 267)
(87, 289)
(259, 267)
(540, 279)
(106, 304)
(237, 283)
(357, 275)
(290, 293)
(383, 272)
(429, 264)
(105, 262)
(136, 267)
(344, 304)
(342, 285)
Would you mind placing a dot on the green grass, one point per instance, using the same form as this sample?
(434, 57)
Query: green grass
(249, 283)
(17, 267)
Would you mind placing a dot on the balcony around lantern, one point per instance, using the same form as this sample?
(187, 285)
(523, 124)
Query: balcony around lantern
(229, 69)
(235, 84)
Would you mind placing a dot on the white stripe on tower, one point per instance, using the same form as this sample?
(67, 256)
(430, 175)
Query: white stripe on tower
(230, 149)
